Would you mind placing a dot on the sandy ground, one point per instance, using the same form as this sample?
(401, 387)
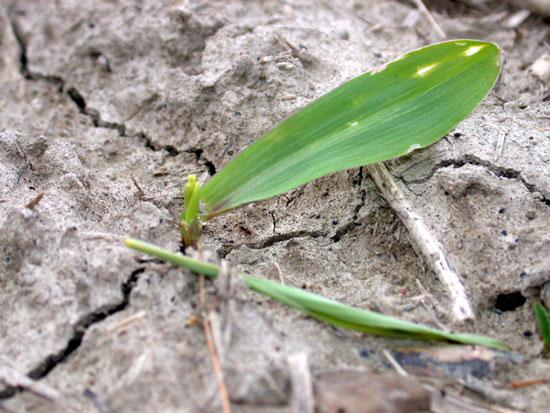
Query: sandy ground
(105, 107)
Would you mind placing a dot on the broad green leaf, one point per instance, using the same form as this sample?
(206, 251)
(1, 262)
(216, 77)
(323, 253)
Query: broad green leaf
(406, 104)
(321, 308)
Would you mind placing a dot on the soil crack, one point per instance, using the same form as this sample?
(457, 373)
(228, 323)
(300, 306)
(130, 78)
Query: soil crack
(79, 329)
(350, 226)
(276, 238)
(79, 100)
(270, 241)
(469, 159)
(198, 152)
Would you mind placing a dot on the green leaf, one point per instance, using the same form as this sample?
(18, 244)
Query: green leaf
(357, 319)
(406, 104)
(544, 324)
(321, 308)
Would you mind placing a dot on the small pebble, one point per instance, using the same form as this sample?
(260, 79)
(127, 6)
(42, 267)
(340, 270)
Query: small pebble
(342, 34)
(285, 65)
(334, 221)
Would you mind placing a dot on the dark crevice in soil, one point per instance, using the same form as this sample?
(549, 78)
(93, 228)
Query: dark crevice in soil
(198, 155)
(276, 238)
(94, 114)
(24, 68)
(469, 159)
(350, 226)
(268, 242)
(23, 49)
(80, 101)
(79, 329)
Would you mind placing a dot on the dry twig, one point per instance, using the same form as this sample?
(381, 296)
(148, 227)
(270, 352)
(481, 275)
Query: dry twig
(518, 384)
(302, 387)
(12, 377)
(430, 18)
(224, 395)
(424, 241)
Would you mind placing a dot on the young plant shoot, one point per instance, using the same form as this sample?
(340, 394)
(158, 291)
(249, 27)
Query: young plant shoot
(384, 113)
(387, 112)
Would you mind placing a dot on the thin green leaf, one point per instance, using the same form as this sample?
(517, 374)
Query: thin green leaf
(321, 308)
(544, 323)
(354, 318)
(210, 270)
(406, 104)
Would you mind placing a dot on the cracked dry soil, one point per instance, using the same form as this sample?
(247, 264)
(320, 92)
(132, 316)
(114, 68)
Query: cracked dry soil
(105, 107)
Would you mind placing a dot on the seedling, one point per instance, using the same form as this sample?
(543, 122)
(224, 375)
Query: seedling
(384, 113)
(544, 324)
(387, 112)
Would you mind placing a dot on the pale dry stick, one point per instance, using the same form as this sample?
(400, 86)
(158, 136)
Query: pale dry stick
(11, 377)
(226, 407)
(424, 240)
(430, 18)
(302, 387)
(394, 363)
(221, 337)
(133, 318)
(279, 273)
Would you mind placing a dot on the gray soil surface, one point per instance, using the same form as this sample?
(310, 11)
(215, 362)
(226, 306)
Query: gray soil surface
(105, 107)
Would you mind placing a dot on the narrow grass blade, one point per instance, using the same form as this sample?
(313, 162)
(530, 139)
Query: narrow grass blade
(406, 104)
(200, 267)
(544, 324)
(354, 318)
(321, 308)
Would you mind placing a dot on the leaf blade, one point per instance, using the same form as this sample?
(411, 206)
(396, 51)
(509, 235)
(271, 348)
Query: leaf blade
(379, 115)
(346, 316)
(322, 308)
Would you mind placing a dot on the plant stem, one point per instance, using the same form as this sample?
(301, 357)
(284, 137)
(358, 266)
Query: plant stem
(190, 220)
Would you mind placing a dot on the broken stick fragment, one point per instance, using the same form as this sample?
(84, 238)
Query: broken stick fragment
(424, 241)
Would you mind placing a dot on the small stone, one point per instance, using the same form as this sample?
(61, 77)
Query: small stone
(285, 65)
(541, 67)
(342, 34)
